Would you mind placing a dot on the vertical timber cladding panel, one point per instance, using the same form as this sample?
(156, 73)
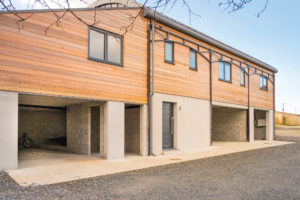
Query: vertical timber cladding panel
(259, 132)
(78, 129)
(42, 124)
(132, 130)
(171, 79)
(260, 98)
(229, 92)
(179, 79)
(229, 124)
(56, 63)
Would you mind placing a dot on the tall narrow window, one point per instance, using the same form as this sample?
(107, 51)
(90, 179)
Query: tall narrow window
(263, 83)
(96, 47)
(193, 59)
(169, 52)
(225, 71)
(105, 46)
(242, 77)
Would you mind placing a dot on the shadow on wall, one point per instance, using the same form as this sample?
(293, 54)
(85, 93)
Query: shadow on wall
(287, 119)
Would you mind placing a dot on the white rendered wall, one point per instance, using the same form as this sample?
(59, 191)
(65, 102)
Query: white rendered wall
(144, 130)
(270, 125)
(251, 124)
(114, 131)
(192, 122)
(8, 130)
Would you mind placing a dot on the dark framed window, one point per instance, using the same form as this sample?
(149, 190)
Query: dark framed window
(169, 52)
(193, 59)
(242, 77)
(105, 47)
(225, 71)
(263, 83)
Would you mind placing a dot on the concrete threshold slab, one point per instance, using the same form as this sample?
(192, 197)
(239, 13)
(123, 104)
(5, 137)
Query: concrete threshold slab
(49, 167)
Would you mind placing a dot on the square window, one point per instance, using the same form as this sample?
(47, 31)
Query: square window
(105, 47)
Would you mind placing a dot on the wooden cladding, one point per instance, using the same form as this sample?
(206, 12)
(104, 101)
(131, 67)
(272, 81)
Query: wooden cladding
(56, 62)
(178, 79)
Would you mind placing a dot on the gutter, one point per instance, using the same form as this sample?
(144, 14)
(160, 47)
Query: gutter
(64, 9)
(149, 85)
(203, 37)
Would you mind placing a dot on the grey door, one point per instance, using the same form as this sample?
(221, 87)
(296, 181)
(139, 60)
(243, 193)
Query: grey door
(168, 126)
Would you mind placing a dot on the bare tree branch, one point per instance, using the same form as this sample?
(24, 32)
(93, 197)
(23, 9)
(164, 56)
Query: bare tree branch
(157, 5)
(236, 5)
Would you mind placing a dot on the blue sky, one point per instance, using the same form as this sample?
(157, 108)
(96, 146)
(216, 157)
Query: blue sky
(272, 38)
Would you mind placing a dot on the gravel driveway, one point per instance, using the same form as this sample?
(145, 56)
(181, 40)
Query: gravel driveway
(271, 173)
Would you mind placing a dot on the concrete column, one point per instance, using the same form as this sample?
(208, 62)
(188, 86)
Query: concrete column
(143, 130)
(8, 130)
(114, 130)
(251, 124)
(102, 142)
(269, 125)
(156, 121)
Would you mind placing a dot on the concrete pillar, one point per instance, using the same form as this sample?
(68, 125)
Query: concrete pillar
(8, 130)
(114, 130)
(269, 125)
(251, 124)
(156, 121)
(102, 141)
(143, 130)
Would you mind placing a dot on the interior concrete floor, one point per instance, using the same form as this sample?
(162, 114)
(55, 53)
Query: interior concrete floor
(42, 167)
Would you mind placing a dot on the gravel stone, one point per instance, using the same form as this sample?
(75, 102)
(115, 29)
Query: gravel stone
(270, 173)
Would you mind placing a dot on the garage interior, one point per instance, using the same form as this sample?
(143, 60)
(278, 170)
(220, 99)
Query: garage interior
(58, 124)
(132, 129)
(229, 124)
(66, 125)
(260, 130)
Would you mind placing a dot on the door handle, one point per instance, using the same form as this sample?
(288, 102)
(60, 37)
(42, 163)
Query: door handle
(172, 125)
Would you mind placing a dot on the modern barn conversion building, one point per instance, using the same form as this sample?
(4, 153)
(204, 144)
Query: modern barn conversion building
(94, 90)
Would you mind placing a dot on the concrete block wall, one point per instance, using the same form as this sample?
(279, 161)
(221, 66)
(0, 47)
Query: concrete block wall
(229, 124)
(78, 129)
(132, 130)
(42, 124)
(260, 132)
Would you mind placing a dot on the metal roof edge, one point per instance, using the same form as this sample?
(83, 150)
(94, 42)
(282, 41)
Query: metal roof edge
(63, 9)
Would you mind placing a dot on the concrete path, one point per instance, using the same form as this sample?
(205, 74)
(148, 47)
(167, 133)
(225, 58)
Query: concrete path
(42, 167)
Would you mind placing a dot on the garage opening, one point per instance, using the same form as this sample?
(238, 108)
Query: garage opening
(229, 124)
(260, 130)
(57, 126)
(95, 131)
(132, 129)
